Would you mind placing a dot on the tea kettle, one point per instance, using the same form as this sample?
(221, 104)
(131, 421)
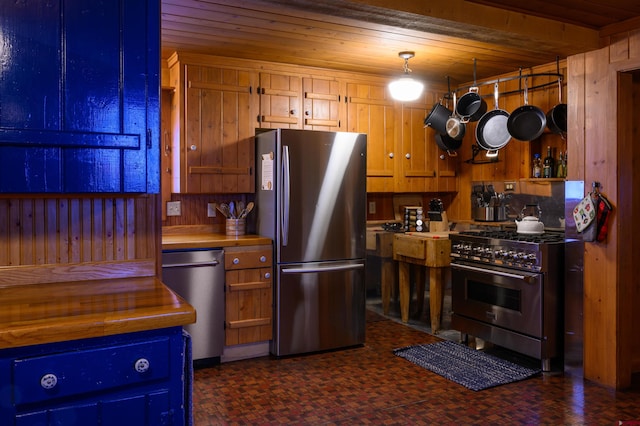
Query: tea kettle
(528, 221)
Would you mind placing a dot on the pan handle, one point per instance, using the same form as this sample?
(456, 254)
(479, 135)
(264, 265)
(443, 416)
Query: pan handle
(492, 153)
(495, 95)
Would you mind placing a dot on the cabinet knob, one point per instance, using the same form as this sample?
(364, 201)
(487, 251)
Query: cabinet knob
(142, 365)
(292, 112)
(48, 381)
(193, 148)
(391, 155)
(267, 275)
(236, 261)
(263, 259)
(407, 156)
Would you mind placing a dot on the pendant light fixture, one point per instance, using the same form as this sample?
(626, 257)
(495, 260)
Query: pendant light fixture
(406, 88)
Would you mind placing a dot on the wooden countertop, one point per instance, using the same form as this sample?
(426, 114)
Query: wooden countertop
(45, 313)
(186, 238)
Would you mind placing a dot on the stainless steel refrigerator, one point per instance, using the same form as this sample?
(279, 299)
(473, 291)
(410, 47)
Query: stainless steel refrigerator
(310, 199)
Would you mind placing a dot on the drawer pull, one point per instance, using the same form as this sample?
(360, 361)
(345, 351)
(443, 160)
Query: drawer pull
(142, 365)
(267, 275)
(236, 261)
(48, 381)
(263, 259)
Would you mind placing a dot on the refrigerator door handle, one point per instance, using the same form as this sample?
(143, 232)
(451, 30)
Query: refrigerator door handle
(321, 269)
(286, 194)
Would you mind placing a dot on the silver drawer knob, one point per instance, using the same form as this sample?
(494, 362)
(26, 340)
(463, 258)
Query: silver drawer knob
(263, 259)
(48, 381)
(236, 260)
(142, 365)
(267, 275)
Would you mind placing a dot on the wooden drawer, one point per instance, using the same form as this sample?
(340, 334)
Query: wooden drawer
(66, 374)
(248, 258)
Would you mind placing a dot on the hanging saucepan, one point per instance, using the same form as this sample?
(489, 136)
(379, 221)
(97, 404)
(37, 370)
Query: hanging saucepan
(455, 127)
(491, 131)
(438, 117)
(527, 122)
(448, 144)
(471, 106)
(557, 116)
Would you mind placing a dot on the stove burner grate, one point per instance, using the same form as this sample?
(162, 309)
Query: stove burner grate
(515, 236)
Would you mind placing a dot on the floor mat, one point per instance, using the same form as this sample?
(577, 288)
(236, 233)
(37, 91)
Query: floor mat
(468, 367)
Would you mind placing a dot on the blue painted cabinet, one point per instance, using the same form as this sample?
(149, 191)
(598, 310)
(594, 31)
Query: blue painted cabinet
(131, 379)
(79, 96)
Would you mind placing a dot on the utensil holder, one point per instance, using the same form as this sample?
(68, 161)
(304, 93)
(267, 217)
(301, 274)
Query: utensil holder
(235, 227)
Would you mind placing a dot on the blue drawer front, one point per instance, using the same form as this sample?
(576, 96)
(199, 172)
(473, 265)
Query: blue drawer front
(82, 372)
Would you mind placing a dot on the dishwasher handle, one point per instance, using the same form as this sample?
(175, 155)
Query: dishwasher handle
(190, 264)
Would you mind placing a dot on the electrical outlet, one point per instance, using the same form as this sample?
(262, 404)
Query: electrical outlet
(211, 209)
(509, 186)
(372, 207)
(173, 208)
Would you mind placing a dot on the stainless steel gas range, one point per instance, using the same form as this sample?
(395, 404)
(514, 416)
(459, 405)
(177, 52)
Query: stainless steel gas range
(507, 289)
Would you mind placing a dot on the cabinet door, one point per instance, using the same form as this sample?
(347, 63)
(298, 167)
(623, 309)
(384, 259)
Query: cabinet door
(280, 101)
(248, 306)
(79, 110)
(219, 147)
(322, 104)
(417, 151)
(370, 111)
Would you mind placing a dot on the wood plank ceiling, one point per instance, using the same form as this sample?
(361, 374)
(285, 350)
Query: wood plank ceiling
(448, 36)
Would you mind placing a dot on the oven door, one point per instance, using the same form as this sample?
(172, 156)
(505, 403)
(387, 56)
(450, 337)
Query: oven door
(502, 297)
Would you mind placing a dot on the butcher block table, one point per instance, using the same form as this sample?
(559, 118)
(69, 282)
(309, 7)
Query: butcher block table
(422, 249)
(380, 244)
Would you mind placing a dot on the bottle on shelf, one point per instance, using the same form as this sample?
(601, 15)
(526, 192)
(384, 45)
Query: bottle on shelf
(548, 165)
(537, 166)
(562, 166)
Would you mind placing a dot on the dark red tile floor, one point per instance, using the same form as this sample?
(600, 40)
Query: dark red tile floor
(370, 385)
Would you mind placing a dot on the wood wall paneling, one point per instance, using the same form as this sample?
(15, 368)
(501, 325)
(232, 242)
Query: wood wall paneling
(66, 239)
(603, 117)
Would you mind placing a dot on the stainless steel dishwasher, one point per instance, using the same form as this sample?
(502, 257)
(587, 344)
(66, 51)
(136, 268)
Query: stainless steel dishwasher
(198, 276)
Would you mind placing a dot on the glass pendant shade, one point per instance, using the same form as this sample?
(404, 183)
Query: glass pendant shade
(406, 88)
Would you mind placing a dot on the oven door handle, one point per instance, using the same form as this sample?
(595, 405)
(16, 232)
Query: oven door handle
(529, 279)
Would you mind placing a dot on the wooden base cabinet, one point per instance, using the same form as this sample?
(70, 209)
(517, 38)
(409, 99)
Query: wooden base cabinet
(249, 294)
(129, 379)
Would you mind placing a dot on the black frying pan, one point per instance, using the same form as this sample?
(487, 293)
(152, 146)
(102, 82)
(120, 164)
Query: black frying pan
(527, 122)
(447, 143)
(491, 131)
(557, 116)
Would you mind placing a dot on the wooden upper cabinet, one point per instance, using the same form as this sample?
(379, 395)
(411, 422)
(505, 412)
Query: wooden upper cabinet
(322, 104)
(214, 107)
(422, 165)
(370, 110)
(280, 96)
(79, 103)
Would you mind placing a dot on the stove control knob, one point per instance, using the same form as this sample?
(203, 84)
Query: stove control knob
(532, 258)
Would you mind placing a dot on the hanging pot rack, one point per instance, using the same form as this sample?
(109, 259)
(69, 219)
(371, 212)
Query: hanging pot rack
(520, 77)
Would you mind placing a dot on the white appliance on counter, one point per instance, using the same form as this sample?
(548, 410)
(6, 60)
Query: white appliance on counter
(311, 198)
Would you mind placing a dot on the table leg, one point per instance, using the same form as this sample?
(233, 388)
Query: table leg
(436, 297)
(420, 278)
(386, 282)
(405, 288)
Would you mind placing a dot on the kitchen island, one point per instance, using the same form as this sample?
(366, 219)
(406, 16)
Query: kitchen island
(98, 351)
